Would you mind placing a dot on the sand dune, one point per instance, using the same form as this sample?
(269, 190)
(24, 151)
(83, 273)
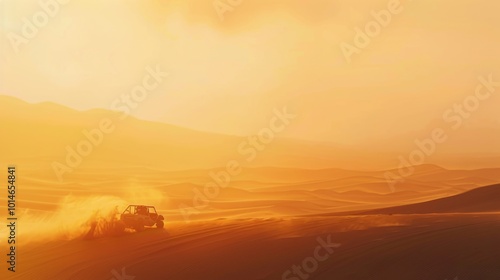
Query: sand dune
(281, 191)
(372, 247)
(484, 199)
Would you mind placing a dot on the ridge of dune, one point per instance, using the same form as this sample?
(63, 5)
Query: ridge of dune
(483, 199)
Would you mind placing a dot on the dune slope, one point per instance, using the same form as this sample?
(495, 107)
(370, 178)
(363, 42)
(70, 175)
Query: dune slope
(484, 199)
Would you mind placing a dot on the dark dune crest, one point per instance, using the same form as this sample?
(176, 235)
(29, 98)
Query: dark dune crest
(484, 199)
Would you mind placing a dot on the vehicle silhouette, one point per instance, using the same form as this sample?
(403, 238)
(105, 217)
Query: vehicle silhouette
(140, 216)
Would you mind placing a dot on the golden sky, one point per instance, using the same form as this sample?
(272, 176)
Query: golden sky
(228, 75)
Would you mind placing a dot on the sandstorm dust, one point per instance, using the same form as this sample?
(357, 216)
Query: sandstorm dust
(82, 217)
(73, 219)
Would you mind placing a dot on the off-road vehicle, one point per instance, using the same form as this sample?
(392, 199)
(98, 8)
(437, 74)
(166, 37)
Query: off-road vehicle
(139, 216)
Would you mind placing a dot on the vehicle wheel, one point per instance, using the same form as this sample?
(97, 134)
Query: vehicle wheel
(119, 227)
(139, 226)
(159, 224)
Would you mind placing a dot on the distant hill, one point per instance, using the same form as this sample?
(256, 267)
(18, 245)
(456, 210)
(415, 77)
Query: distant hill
(483, 199)
(36, 135)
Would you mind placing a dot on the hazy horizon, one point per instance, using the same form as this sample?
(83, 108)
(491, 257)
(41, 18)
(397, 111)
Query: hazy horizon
(233, 72)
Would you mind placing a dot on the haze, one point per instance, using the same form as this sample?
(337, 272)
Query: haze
(263, 55)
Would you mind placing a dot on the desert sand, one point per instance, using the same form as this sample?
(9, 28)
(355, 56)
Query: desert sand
(442, 242)
(266, 222)
(441, 246)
